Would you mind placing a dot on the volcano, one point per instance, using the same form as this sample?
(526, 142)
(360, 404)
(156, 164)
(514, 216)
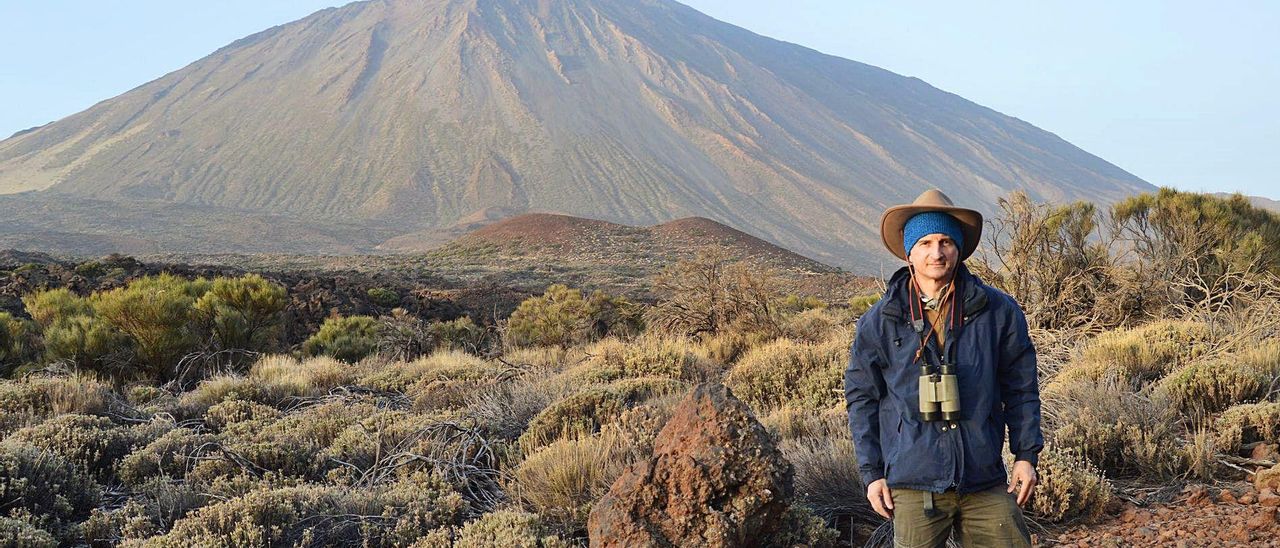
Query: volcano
(361, 124)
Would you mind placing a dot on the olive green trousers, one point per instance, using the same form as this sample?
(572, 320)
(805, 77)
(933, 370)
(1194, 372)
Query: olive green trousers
(986, 518)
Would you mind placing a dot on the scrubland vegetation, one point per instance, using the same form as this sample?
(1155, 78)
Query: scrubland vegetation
(168, 412)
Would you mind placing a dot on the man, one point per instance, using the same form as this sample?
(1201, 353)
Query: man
(939, 335)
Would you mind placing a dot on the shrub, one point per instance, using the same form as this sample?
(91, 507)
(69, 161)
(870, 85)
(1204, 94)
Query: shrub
(92, 443)
(505, 409)
(589, 410)
(861, 304)
(16, 533)
(812, 325)
(349, 339)
(301, 378)
(232, 412)
(1210, 386)
(1070, 488)
(459, 333)
(826, 478)
(508, 528)
(802, 528)
(268, 389)
(784, 371)
(383, 296)
(1247, 423)
(646, 356)
(72, 332)
(710, 294)
(243, 313)
(154, 508)
(169, 455)
(563, 479)
(16, 344)
(1124, 434)
(443, 365)
(791, 422)
(1139, 355)
(792, 304)
(390, 515)
(403, 336)
(563, 316)
(155, 312)
(366, 443)
(52, 491)
(727, 347)
(48, 306)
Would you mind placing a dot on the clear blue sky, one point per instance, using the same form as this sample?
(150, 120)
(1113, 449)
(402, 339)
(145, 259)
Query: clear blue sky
(1179, 93)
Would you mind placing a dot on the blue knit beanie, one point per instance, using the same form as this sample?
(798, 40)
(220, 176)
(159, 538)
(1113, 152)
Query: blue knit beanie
(930, 222)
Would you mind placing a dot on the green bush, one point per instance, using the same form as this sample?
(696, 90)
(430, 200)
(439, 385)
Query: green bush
(48, 306)
(589, 410)
(72, 332)
(16, 344)
(460, 333)
(243, 313)
(90, 269)
(155, 312)
(861, 304)
(349, 338)
(383, 297)
(16, 533)
(53, 492)
(792, 304)
(787, 372)
(389, 515)
(564, 316)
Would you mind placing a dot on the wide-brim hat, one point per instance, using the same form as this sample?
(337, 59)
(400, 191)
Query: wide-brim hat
(896, 217)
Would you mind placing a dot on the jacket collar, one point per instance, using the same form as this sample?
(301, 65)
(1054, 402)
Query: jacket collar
(895, 297)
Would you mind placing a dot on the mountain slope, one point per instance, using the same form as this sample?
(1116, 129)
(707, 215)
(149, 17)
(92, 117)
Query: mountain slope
(423, 114)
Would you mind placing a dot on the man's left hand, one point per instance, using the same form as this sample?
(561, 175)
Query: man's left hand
(1023, 480)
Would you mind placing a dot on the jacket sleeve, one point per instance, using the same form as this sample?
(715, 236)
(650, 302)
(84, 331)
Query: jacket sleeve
(1019, 387)
(863, 388)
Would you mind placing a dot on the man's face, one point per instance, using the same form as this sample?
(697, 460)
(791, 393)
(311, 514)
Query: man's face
(934, 257)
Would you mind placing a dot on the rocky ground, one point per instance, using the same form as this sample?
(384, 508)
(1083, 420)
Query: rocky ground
(1239, 515)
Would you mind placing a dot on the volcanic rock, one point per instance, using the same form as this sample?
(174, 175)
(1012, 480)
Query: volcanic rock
(716, 479)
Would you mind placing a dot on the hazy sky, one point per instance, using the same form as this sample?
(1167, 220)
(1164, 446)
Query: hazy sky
(1179, 93)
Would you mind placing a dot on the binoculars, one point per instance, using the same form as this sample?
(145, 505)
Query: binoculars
(939, 393)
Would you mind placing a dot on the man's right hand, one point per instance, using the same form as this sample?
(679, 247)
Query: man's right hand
(881, 498)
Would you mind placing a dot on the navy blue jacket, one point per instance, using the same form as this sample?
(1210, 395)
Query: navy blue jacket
(996, 369)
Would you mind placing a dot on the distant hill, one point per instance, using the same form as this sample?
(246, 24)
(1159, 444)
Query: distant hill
(361, 124)
(1258, 201)
(543, 236)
